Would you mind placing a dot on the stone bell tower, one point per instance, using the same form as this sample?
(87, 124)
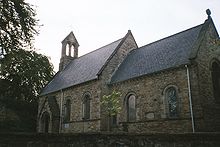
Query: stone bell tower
(69, 50)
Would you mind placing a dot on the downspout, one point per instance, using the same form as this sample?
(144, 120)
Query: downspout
(190, 99)
(61, 107)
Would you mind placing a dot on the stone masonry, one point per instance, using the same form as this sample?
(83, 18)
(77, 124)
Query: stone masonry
(192, 81)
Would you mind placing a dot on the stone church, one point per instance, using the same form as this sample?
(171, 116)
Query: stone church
(171, 85)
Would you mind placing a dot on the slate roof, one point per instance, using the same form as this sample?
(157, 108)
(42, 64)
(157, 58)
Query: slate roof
(82, 69)
(166, 53)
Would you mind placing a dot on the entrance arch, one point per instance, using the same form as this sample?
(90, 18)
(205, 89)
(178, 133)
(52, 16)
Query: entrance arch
(45, 122)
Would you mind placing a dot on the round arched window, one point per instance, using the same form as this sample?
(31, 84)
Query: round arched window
(172, 101)
(131, 108)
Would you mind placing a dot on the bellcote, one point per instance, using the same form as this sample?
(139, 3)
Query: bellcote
(69, 50)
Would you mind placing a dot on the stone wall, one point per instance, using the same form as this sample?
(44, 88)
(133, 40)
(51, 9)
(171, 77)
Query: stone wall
(75, 94)
(151, 113)
(110, 140)
(204, 98)
(128, 44)
(96, 88)
(151, 106)
(151, 110)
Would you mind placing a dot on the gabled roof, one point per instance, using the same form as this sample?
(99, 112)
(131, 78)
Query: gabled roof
(166, 53)
(70, 38)
(82, 69)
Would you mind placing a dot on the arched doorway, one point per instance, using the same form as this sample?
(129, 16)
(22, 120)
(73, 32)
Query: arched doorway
(45, 122)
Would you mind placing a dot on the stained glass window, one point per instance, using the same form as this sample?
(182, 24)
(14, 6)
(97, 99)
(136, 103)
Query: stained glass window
(172, 102)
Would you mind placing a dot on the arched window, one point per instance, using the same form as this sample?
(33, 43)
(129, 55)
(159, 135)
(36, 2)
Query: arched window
(114, 120)
(172, 102)
(216, 80)
(72, 51)
(86, 106)
(67, 111)
(45, 121)
(67, 49)
(131, 108)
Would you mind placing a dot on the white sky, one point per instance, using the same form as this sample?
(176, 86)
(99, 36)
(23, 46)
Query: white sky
(96, 23)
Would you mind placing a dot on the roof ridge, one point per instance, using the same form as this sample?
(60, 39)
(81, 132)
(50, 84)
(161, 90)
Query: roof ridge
(99, 48)
(106, 49)
(144, 55)
(170, 36)
(90, 53)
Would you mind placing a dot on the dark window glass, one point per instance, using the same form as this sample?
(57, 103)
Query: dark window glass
(45, 121)
(216, 81)
(67, 111)
(86, 107)
(131, 109)
(114, 120)
(172, 102)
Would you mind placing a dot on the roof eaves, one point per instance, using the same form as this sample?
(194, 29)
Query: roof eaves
(48, 83)
(147, 74)
(43, 94)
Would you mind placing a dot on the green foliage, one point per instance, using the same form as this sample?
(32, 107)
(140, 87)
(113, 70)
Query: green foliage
(22, 73)
(23, 118)
(26, 73)
(22, 76)
(17, 25)
(111, 103)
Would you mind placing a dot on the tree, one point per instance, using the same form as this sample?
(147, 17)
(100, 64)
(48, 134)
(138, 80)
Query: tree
(22, 73)
(22, 76)
(27, 72)
(112, 105)
(17, 25)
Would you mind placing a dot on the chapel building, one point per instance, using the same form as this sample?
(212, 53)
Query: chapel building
(171, 85)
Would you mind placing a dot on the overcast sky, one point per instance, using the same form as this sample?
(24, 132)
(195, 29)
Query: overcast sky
(96, 23)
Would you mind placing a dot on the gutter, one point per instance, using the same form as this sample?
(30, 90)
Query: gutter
(190, 99)
(61, 107)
